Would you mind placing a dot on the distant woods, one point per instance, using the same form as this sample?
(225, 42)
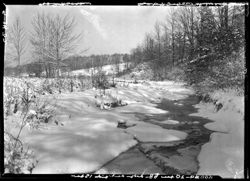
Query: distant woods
(96, 61)
(71, 63)
(201, 41)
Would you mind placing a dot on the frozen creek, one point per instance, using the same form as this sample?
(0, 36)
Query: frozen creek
(174, 157)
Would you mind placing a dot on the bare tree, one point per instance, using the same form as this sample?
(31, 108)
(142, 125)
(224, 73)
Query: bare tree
(64, 41)
(149, 47)
(41, 40)
(166, 48)
(158, 39)
(172, 22)
(16, 42)
(54, 38)
(187, 19)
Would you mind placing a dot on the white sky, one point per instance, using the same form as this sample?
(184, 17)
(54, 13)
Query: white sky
(106, 29)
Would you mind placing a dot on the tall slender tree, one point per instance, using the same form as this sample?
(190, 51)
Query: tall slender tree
(16, 42)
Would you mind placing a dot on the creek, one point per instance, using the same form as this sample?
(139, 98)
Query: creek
(176, 157)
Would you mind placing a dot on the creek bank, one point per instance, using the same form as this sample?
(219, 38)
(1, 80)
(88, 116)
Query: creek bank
(223, 155)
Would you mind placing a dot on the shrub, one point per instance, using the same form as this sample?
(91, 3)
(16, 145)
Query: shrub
(83, 82)
(232, 72)
(17, 158)
(40, 113)
(27, 112)
(100, 81)
(176, 73)
(108, 101)
(225, 73)
(47, 87)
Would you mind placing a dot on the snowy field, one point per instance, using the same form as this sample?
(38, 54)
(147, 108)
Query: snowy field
(87, 137)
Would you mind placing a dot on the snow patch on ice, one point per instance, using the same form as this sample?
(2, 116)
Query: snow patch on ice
(146, 132)
(141, 108)
(170, 122)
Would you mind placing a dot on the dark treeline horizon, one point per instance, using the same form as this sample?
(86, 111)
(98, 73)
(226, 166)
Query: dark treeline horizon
(74, 62)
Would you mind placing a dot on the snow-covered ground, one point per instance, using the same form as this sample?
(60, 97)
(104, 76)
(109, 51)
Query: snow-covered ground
(224, 154)
(87, 137)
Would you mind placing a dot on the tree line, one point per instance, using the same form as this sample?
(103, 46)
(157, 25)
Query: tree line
(72, 63)
(200, 40)
(86, 62)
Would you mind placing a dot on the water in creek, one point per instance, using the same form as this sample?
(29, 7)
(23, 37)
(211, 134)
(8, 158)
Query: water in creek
(177, 157)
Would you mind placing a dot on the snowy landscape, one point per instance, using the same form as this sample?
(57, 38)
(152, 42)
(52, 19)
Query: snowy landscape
(170, 106)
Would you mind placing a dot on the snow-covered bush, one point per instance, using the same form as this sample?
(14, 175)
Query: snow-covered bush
(232, 72)
(47, 86)
(84, 83)
(108, 101)
(17, 95)
(22, 108)
(17, 158)
(142, 72)
(41, 112)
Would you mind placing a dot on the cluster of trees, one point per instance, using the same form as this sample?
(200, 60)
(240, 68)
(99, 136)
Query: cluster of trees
(86, 62)
(196, 39)
(52, 39)
(73, 63)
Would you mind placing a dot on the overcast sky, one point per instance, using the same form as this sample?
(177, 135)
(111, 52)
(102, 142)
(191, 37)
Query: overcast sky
(106, 29)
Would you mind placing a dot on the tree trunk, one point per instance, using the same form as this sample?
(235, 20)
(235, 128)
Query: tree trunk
(183, 49)
(46, 70)
(173, 49)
